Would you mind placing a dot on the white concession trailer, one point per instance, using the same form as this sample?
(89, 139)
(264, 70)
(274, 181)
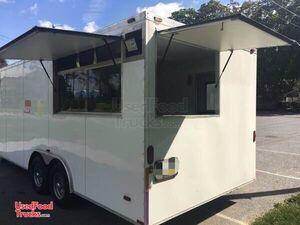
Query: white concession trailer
(148, 117)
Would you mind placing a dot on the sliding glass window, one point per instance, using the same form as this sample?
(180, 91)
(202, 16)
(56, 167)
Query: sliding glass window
(90, 90)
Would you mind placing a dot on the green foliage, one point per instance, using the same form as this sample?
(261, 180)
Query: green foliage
(278, 68)
(212, 9)
(287, 213)
(187, 16)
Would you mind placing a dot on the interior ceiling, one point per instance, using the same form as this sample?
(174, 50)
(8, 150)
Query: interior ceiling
(231, 33)
(51, 44)
(179, 50)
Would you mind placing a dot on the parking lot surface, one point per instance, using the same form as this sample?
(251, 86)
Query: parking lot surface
(278, 177)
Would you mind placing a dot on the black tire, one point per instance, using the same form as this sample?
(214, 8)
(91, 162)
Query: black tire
(60, 188)
(38, 173)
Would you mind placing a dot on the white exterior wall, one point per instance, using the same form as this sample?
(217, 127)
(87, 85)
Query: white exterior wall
(22, 133)
(216, 153)
(36, 124)
(13, 83)
(104, 153)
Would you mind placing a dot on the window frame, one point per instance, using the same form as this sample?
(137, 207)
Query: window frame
(123, 59)
(90, 67)
(143, 50)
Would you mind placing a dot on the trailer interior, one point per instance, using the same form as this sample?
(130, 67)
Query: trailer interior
(186, 79)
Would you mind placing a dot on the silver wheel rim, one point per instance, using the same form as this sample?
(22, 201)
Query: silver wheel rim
(59, 186)
(38, 177)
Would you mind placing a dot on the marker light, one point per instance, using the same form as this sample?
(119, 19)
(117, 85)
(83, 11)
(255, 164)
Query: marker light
(157, 19)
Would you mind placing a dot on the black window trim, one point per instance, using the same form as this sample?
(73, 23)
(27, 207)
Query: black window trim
(89, 67)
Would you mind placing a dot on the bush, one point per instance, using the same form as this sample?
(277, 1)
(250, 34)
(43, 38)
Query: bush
(286, 213)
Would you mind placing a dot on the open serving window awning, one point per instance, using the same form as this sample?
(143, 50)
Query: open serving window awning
(235, 32)
(41, 43)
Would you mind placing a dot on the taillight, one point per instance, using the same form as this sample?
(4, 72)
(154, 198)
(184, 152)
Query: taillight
(254, 136)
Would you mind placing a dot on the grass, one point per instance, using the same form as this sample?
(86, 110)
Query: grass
(286, 213)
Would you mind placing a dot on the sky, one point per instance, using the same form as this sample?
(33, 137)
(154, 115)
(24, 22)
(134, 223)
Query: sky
(18, 16)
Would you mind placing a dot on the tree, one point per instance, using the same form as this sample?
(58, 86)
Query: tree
(2, 63)
(278, 68)
(208, 11)
(186, 16)
(213, 9)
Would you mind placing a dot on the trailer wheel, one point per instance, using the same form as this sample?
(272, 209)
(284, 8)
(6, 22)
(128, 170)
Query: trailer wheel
(38, 173)
(60, 190)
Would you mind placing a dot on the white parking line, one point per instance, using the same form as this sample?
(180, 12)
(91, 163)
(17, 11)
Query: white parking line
(279, 175)
(296, 142)
(231, 219)
(279, 152)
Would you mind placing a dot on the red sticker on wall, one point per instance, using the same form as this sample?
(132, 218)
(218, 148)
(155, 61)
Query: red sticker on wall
(27, 106)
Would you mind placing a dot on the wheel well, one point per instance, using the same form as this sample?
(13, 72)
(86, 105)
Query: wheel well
(52, 160)
(55, 161)
(33, 155)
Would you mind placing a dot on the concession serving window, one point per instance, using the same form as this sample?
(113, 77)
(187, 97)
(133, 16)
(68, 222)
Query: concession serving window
(188, 74)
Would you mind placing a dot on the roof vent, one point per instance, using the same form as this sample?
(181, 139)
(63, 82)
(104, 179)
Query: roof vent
(131, 20)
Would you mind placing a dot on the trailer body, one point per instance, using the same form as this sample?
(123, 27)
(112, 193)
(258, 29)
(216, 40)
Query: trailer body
(121, 159)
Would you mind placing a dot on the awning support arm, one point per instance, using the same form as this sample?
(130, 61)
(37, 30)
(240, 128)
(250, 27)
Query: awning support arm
(168, 47)
(219, 78)
(124, 42)
(46, 72)
(110, 51)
